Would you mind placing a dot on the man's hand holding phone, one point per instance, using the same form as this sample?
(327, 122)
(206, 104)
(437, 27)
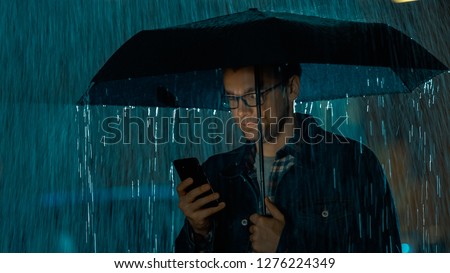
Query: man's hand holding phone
(197, 200)
(193, 207)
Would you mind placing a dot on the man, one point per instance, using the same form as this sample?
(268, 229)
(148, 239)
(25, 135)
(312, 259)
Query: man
(325, 193)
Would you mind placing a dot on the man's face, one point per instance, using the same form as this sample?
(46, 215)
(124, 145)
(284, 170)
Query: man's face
(275, 110)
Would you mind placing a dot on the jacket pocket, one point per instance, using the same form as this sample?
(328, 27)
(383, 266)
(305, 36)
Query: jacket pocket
(325, 226)
(325, 211)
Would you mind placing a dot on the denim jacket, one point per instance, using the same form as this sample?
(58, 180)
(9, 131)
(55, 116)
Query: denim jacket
(335, 198)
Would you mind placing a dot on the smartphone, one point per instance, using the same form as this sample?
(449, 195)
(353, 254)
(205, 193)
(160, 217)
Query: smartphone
(190, 167)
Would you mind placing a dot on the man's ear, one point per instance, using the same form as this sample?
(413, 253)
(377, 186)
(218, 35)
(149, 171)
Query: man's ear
(294, 87)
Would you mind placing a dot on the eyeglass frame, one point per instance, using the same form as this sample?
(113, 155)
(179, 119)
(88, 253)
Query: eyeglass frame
(238, 98)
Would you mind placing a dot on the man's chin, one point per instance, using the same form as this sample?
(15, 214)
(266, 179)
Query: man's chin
(251, 137)
(250, 134)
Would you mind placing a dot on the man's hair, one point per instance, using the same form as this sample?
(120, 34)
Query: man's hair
(284, 71)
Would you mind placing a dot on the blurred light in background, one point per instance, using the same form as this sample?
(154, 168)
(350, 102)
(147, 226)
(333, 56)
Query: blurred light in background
(406, 248)
(403, 1)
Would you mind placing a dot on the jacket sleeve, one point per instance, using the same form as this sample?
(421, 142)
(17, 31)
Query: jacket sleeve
(384, 228)
(188, 242)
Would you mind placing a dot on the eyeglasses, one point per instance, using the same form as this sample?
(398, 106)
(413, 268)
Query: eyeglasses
(232, 102)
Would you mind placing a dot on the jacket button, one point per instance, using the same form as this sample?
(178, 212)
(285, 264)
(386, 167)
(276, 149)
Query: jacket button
(325, 213)
(244, 222)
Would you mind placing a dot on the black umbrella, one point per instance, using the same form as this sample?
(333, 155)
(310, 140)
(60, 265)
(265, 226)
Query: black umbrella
(181, 66)
(163, 67)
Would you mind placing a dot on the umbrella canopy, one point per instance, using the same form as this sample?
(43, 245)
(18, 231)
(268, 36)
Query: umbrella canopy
(180, 66)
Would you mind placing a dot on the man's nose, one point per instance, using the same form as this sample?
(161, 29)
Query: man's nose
(243, 110)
